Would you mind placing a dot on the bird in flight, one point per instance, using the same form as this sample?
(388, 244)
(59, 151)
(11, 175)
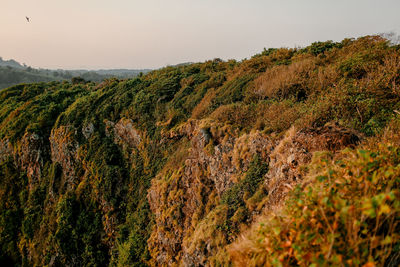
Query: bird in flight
(27, 19)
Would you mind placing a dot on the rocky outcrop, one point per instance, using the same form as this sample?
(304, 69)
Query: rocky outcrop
(217, 159)
(31, 156)
(187, 129)
(87, 130)
(295, 150)
(6, 150)
(28, 155)
(64, 148)
(124, 133)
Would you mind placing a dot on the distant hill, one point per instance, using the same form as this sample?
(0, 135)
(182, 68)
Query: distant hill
(10, 63)
(11, 76)
(13, 73)
(122, 72)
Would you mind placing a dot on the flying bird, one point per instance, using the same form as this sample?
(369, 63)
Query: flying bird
(27, 19)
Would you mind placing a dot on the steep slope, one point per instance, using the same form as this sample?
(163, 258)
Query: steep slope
(180, 166)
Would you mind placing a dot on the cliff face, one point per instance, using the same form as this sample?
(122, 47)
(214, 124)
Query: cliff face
(5, 150)
(178, 167)
(295, 150)
(186, 194)
(64, 151)
(218, 160)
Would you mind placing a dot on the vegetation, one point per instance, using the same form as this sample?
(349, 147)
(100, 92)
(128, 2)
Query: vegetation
(13, 73)
(346, 213)
(162, 168)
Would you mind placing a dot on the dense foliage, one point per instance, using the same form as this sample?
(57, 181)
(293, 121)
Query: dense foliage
(77, 161)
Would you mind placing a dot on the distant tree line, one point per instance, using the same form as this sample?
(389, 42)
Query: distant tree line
(13, 73)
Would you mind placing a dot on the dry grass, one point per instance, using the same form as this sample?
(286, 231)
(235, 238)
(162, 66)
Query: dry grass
(345, 215)
(201, 109)
(282, 81)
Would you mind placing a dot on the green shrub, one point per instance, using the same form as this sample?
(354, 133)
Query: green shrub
(344, 216)
(234, 197)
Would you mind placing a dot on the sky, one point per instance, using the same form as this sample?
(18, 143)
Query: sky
(96, 34)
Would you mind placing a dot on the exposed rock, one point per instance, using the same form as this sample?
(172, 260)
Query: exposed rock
(205, 135)
(214, 164)
(31, 156)
(88, 130)
(216, 161)
(187, 129)
(6, 150)
(124, 133)
(295, 150)
(330, 137)
(64, 149)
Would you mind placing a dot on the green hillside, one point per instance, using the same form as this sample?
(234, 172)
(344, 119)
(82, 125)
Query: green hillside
(289, 158)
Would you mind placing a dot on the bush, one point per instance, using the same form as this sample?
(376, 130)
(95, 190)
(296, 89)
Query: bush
(345, 215)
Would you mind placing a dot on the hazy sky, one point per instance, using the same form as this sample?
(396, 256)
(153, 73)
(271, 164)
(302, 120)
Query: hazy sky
(153, 33)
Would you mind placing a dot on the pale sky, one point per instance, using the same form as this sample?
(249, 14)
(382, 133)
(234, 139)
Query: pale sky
(96, 34)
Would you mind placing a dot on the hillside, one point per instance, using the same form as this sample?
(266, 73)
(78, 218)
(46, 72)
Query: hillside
(10, 63)
(289, 158)
(13, 73)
